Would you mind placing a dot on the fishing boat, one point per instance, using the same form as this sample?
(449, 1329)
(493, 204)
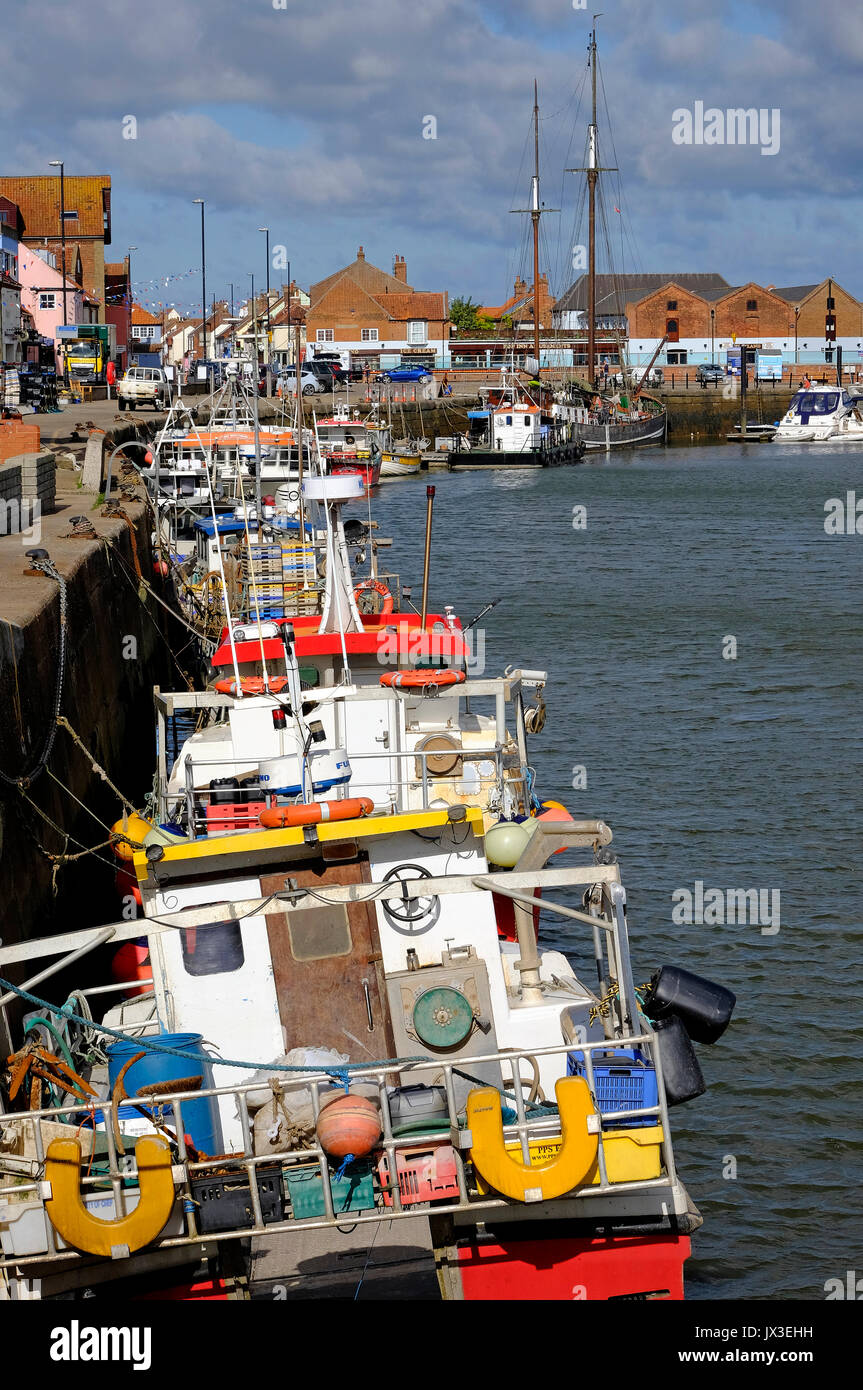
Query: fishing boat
(333, 1007)
(820, 412)
(517, 426)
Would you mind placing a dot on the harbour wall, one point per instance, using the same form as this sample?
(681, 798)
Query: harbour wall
(114, 653)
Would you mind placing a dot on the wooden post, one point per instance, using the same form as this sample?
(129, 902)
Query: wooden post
(743, 391)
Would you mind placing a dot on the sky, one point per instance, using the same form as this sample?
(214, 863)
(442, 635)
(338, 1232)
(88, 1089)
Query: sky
(406, 127)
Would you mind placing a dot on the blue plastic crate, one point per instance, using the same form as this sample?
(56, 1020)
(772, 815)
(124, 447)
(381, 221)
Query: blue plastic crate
(623, 1080)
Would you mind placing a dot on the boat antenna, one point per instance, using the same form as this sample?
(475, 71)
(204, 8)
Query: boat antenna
(481, 614)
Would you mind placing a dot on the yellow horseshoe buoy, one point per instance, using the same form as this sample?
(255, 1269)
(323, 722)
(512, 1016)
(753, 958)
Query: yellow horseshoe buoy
(80, 1228)
(526, 1183)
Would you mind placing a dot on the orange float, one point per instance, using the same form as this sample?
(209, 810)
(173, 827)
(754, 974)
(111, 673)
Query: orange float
(253, 685)
(376, 587)
(349, 1125)
(421, 679)
(277, 817)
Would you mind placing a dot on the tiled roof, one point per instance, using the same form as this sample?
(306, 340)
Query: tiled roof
(614, 292)
(794, 293)
(363, 273)
(420, 304)
(141, 315)
(38, 197)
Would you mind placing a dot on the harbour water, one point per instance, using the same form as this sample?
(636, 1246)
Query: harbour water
(737, 772)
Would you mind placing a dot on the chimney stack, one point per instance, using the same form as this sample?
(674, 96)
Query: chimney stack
(361, 255)
(400, 269)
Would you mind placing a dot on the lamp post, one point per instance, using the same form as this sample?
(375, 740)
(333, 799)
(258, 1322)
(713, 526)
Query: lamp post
(203, 281)
(268, 339)
(59, 164)
(796, 325)
(712, 336)
(130, 249)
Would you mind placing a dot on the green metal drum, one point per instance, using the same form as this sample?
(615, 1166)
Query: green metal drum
(442, 1017)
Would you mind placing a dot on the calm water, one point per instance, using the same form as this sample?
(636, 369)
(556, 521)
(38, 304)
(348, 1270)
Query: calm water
(742, 773)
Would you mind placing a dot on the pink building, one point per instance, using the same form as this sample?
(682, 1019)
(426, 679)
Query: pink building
(42, 296)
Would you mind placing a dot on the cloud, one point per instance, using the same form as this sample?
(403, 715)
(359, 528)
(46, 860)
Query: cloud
(311, 119)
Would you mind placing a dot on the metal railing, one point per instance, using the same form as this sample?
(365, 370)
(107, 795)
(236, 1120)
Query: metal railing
(527, 1128)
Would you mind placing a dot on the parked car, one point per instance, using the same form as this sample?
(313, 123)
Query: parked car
(310, 384)
(709, 371)
(330, 373)
(143, 386)
(404, 372)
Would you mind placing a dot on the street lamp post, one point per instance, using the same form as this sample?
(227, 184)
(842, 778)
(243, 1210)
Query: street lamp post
(59, 164)
(203, 281)
(131, 303)
(796, 325)
(269, 339)
(712, 336)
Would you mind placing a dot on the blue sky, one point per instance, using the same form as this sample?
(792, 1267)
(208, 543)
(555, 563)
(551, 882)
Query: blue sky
(309, 119)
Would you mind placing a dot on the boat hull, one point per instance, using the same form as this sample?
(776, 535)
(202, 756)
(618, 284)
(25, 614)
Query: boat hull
(559, 455)
(628, 435)
(594, 1269)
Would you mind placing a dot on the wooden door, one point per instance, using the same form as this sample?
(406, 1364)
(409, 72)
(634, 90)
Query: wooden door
(327, 968)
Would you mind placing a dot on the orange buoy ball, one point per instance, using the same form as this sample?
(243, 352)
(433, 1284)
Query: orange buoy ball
(349, 1125)
(132, 962)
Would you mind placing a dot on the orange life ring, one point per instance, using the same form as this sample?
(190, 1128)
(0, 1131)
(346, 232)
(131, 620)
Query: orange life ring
(419, 680)
(277, 817)
(376, 587)
(253, 685)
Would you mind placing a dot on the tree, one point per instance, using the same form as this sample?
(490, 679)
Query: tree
(467, 318)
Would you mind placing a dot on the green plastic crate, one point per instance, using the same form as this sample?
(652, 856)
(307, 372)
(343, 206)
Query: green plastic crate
(354, 1192)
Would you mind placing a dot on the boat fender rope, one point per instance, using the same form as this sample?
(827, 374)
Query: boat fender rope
(345, 1165)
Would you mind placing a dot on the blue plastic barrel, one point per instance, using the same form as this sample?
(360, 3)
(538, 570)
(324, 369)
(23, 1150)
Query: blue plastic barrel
(200, 1117)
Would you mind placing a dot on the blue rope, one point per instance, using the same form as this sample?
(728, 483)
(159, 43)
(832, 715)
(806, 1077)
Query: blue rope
(338, 1073)
(346, 1163)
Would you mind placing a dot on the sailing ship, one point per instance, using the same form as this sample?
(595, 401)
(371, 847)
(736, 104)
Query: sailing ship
(334, 1006)
(603, 420)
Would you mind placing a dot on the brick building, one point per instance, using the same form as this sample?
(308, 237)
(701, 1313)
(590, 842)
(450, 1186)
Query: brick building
(807, 305)
(519, 306)
(87, 222)
(377, 317)
(118, 302)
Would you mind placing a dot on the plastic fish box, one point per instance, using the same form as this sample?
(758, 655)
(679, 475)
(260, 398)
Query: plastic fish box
(426, 1173)
(631, 1155)
(24, 1225)
(353, 1192)
(623, 1080)
(225, 1203)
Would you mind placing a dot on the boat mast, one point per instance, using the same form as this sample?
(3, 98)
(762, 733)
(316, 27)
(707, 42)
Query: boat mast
(593, 169)
(536, 210)
(592, 173)
(534, 216)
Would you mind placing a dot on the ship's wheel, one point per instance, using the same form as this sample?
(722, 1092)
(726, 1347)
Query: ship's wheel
(411, 916)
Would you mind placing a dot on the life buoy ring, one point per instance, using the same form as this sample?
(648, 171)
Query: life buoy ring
(80, 1228)
(349, 439)
(375, 586)
(542, 1181)
(253, 685)
(278, 817)
(421, 680)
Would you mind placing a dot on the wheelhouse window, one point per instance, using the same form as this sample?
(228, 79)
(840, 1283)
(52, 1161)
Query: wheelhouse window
(815, 402)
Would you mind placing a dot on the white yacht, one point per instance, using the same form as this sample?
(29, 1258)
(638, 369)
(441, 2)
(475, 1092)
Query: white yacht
(822, 411)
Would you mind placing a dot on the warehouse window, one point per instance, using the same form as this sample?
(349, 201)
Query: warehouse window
(751, 305)
(672, 304)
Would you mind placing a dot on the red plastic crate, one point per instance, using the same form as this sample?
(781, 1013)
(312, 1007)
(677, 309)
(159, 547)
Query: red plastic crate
(426, 1173)
(234, 815)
